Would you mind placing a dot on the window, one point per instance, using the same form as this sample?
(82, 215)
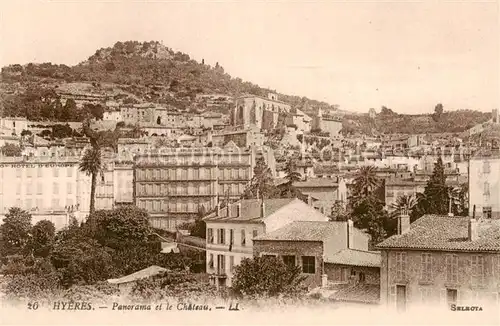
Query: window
(18, 172)
(221, 264)
(486, 167)
(289, 260)
(425, 294)
(69, 171)
(69, 188)
(243, 238)
(231, 236)
(211, 261)
(28, 173)
(55, 203)
(55, 172)
(342, 274)
(18, 189)
(401, 266)
(39, 188)
(29, 188)
(477, 270)
(308, 264)
(231, 264)
(221, 236)
(255, 233)
(451, 296)
(426, 267)
(55, 188)
(487, 211)
(486, 189)
(451, 268)
(361, 277)
(210, 235)
(40, 172)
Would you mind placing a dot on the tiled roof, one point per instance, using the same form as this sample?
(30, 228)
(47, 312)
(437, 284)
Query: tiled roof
(143, 273)
(433, 232)
(250, 210)
(305, 231)
(361, 292)
(317, 182)
(355, 258)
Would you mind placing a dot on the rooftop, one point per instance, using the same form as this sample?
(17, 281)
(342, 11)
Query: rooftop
(306, 231)
(143, 273)
(317, 183)
(434, 232)
(250, 210)
(365, 293)
(355, 258)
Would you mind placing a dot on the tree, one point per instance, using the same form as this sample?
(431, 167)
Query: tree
(43, 239)
(438, 111)
(15, 232)
(121, 225)
(26, 133)
(365, 180)
(82, 261)
(369, 214)
(261, 185)
(339, 212)
(11, 150)
(267, 276)
(91, 164)
(403, 204)
(435, 199)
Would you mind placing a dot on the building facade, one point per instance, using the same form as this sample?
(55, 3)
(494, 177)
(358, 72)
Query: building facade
(441, 260)
(232, 229)
(44, 187)
(179, 183)
(261, 112)
(484, 184)
(309, 244)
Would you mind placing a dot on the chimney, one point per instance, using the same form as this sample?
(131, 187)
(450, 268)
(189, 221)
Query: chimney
(309, 200)
(262, 208)
(350, 233)
(473, 231)
(403, 222)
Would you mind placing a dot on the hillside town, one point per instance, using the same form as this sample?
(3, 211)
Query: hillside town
(398, 220)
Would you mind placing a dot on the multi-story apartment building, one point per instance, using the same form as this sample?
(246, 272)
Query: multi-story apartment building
(177, 184)
(441, 260)
(484, 184)
(258, 111)
(114, 184)
(231, 230)
(44, 186)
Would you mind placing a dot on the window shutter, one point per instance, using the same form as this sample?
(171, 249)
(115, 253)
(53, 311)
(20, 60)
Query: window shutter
(442, 295)
(392, 296)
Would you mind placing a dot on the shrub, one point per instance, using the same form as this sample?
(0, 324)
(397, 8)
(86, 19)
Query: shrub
(268, 277)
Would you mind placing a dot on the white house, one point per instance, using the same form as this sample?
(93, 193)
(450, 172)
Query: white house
(230, 230)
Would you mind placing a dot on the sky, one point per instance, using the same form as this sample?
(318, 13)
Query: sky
(406, 55)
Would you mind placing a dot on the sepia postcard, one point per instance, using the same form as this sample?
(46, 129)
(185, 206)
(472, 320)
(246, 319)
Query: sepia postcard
(249, 162)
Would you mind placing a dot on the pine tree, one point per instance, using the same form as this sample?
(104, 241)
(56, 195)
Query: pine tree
(435, 199)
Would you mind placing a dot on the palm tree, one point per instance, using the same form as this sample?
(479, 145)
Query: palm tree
(404, 204)
(366, 180)
(91, 164)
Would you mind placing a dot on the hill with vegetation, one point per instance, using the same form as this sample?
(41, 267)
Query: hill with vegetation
(131, 72)
(390, 122)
